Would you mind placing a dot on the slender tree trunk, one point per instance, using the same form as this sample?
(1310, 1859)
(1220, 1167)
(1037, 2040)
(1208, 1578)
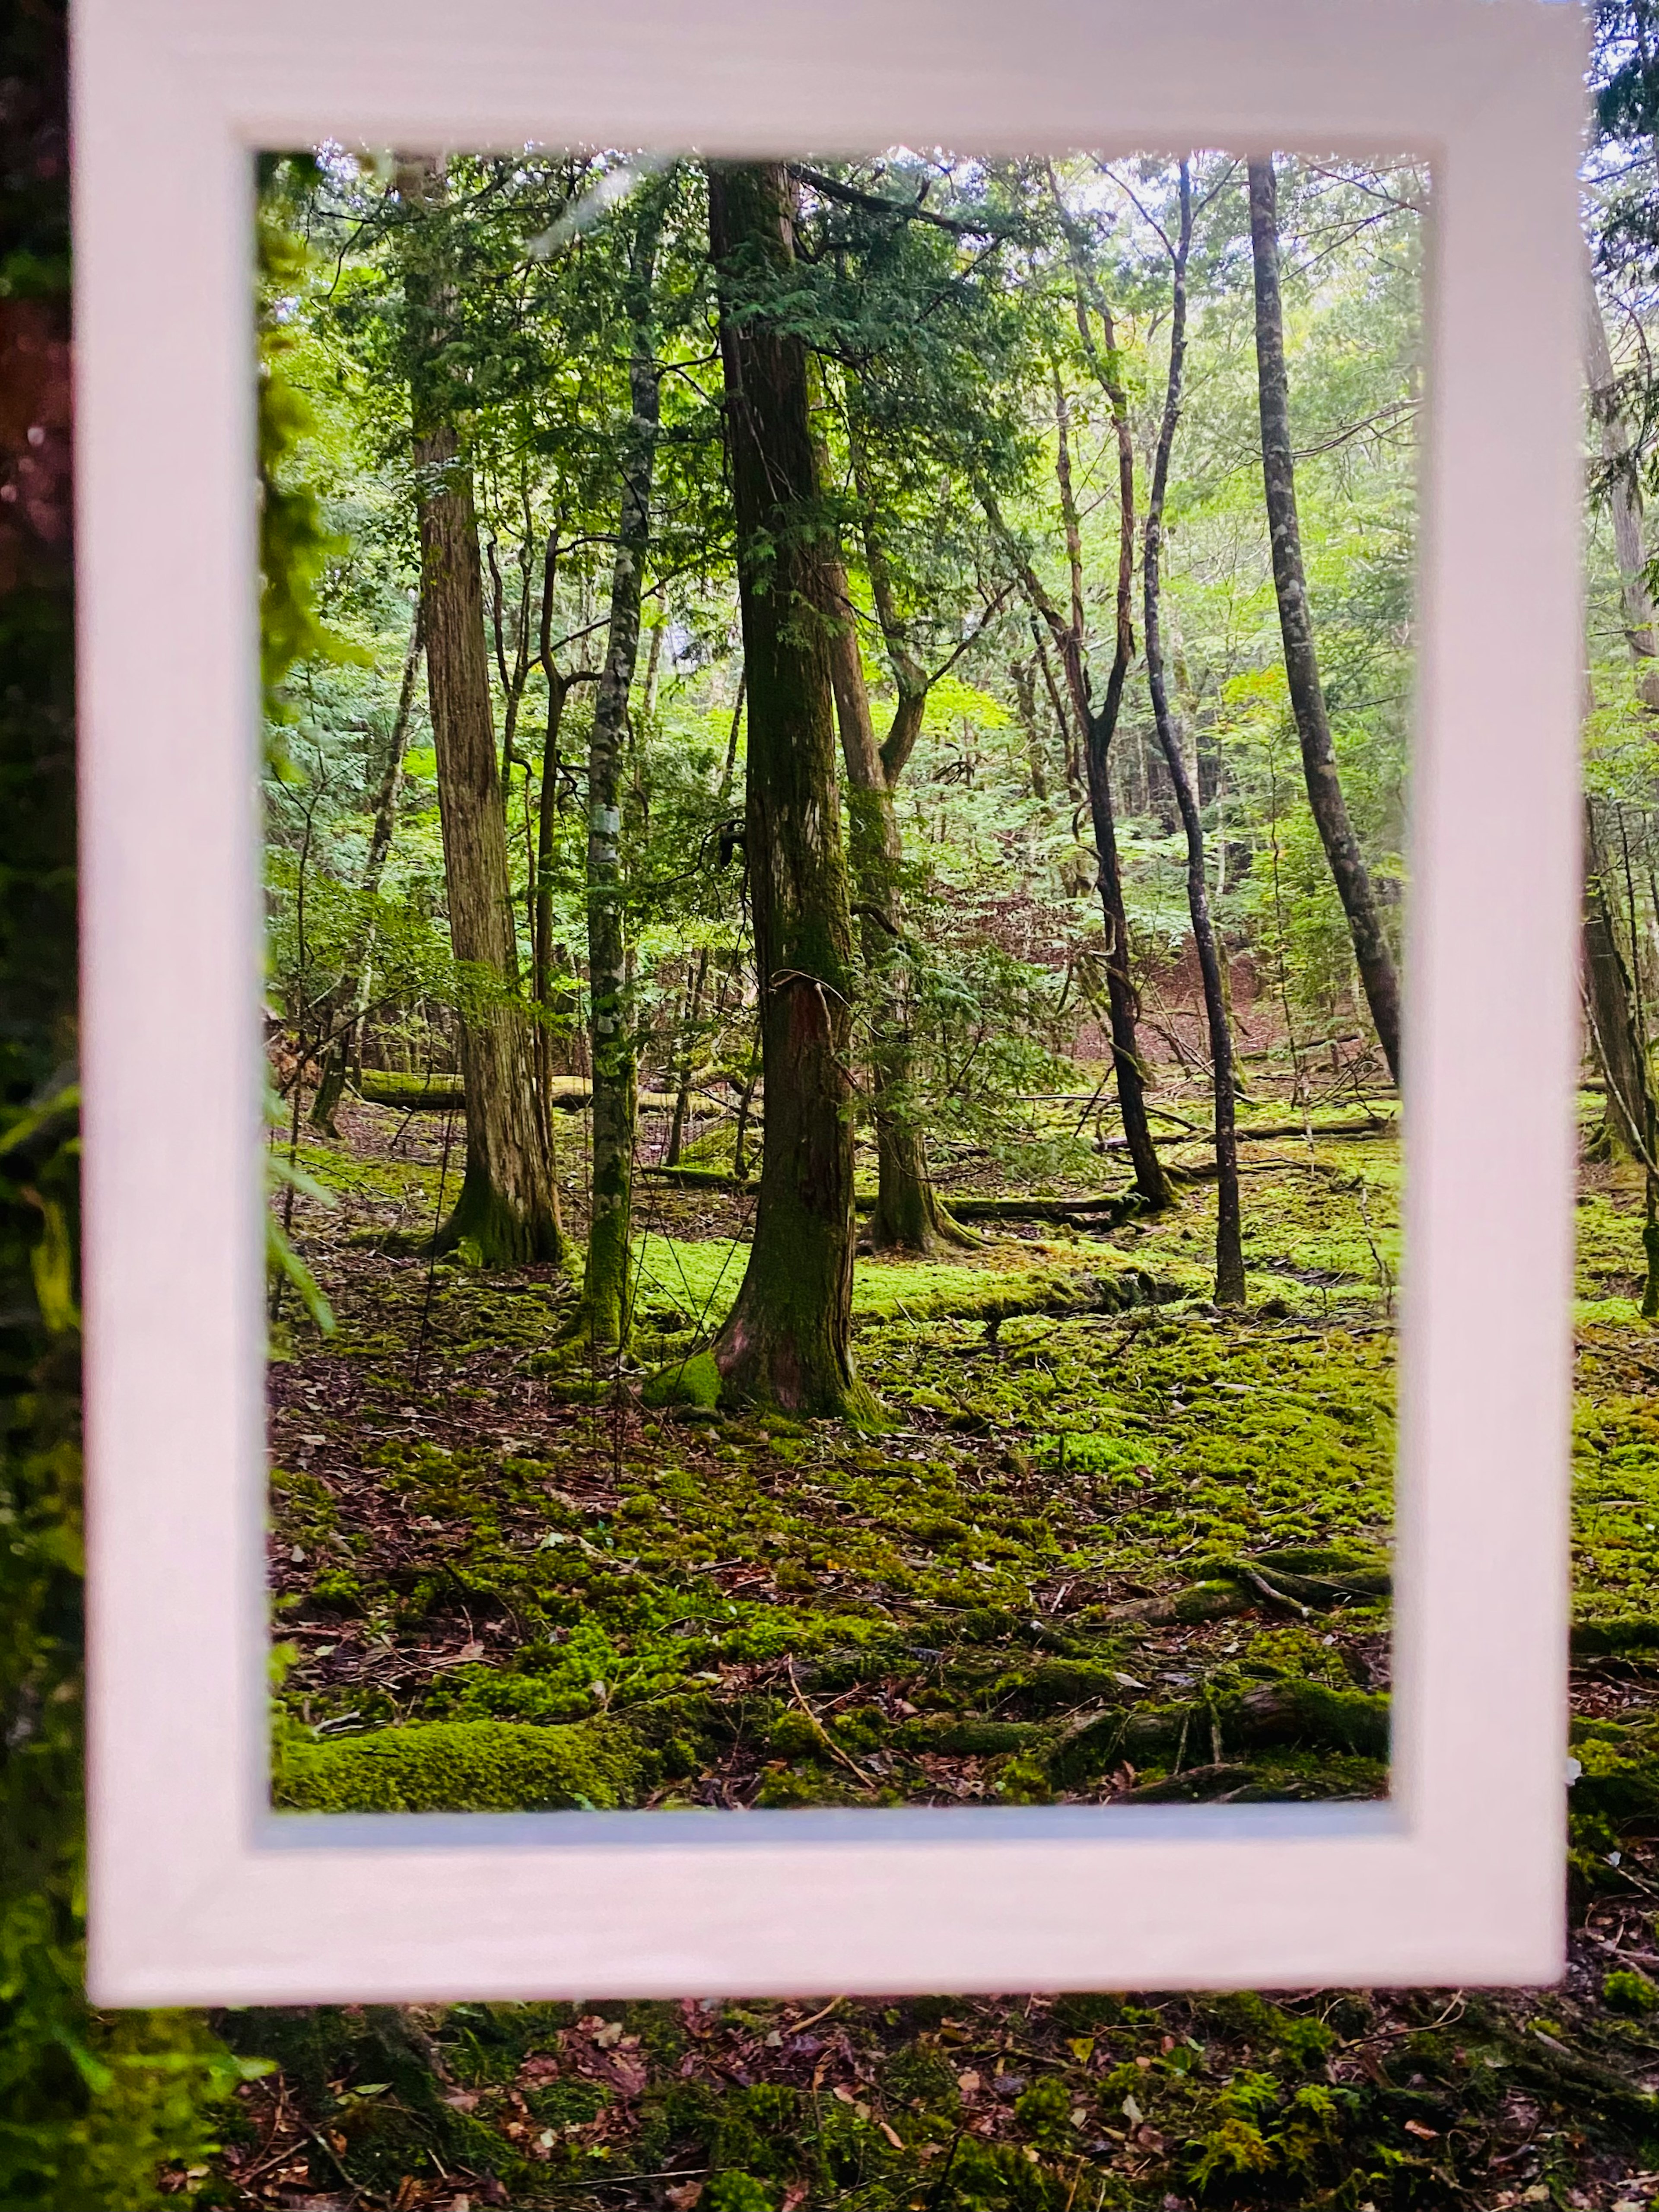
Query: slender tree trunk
(346, 1048)
(552, 1004)
(1100, 727)
(1151, 1184)
(606, 1291)
(700, 981)
(1024, 673)
(907, 1216)
(1624, 499)
(1620, 1047)
(1229, 1242)
(745, 1109)
(508, 1210)
(1378, 974)
(1611, 997)
(683, 1085)
(787, 1340)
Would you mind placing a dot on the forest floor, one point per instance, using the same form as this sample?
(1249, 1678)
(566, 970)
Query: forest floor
(1113, 1545)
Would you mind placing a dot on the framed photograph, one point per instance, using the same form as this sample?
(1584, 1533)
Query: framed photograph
(794, 511)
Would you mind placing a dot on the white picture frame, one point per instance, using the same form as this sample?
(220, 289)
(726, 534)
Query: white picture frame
(198, 1892)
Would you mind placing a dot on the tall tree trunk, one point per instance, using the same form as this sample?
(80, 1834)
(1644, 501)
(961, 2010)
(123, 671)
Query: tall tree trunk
(605, 1290)
(1378, 974)
(354, 990)
(509, 1209)
(1229, 1241)
(787, 1340)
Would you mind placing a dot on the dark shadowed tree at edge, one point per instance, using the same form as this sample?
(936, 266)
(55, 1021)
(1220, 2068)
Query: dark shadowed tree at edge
(1378, 974)
(1229, 1246)
(606, 1298)
(787, 1340)
(508, 1208)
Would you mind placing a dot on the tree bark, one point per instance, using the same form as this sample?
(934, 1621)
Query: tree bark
(1229, 1241)
(787, 1340)
(1377, 975)
(607, 1298)
(508, 1213)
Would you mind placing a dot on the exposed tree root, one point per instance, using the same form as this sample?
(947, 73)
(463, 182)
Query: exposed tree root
(1297, 1582)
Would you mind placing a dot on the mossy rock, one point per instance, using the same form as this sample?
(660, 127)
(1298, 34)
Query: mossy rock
(693, 1383)
(463, 1766)
(1594, 1639)
(1618, 1776)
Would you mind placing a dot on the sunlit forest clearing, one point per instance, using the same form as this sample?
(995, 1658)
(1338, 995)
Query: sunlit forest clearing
(837, 773)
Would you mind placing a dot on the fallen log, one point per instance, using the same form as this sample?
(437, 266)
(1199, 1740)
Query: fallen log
(1111, 1206)
(568, 1094)
(707, 1179)
(1383, 1126)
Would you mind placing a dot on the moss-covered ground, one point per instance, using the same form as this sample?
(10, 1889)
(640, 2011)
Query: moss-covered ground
(1112, 1545)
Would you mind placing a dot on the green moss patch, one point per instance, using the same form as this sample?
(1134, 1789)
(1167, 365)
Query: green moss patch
(462, 1766)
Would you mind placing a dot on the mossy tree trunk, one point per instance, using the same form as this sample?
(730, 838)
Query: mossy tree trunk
(1377, 975)
(508, 1213)
(605, 1288)
(787, 1340)
(1229, 1241)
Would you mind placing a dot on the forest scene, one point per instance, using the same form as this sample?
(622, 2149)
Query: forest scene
(833, 1004)
(836, 782)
